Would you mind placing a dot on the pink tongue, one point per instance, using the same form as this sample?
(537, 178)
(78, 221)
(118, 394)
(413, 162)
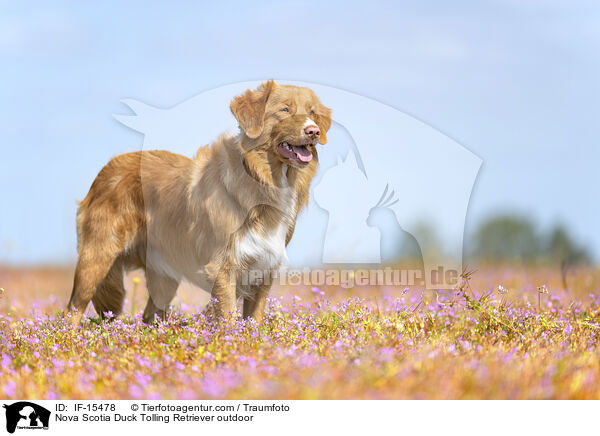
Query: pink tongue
(303, 153)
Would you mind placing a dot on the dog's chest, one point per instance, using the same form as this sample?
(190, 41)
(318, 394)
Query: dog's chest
(265, 250)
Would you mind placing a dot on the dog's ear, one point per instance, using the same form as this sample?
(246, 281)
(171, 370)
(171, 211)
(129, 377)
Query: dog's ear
(323, 120)
(249, 108)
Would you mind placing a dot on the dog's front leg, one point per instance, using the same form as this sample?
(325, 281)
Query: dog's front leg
(224, 293)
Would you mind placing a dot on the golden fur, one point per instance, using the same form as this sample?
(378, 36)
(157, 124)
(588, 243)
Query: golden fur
(207, 220)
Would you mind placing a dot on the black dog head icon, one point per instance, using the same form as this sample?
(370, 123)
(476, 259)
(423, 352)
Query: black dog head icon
(32, 414)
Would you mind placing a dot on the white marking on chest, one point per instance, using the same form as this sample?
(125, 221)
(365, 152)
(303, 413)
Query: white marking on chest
(269, 250)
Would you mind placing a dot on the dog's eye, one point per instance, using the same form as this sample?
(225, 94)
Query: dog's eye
(312, 112)
(285, 109)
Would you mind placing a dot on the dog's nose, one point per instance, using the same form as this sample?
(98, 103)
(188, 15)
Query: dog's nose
(312, 131)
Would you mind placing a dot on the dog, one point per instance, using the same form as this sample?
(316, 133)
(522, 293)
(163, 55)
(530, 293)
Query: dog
(209, 220)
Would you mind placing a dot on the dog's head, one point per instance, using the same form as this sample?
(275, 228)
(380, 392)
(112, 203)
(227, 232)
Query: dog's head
(287, 121)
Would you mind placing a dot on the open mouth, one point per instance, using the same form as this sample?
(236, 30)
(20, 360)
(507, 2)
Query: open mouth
(296, 153)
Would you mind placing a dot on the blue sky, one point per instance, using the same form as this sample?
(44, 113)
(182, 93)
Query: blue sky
(516, 82)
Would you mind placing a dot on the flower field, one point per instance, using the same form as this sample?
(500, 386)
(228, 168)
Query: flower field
(504, 333)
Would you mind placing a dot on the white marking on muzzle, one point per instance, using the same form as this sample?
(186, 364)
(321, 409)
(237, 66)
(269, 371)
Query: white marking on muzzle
(308, 123)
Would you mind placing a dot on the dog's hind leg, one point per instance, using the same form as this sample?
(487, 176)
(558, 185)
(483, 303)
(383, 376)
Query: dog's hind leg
(109, 296)
(161, 290)
(93, 268)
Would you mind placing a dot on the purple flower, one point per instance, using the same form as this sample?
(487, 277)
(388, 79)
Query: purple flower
(135, 391)
(317, 291)
(10, 388)
(6, 361)
(212, 387)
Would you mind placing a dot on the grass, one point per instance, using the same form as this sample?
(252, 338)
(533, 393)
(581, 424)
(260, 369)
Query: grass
(475, 342)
